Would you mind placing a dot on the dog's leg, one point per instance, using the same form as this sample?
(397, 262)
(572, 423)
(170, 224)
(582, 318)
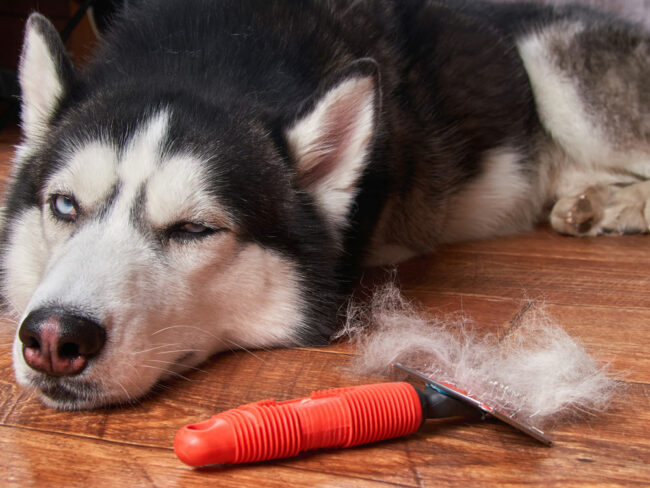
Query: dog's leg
(604, 209)
(590, 81)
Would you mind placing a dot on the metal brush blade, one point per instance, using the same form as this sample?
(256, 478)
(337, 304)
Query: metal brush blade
(462, 396)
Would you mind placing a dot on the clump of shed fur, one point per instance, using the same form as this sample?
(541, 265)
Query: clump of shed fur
(535, 372)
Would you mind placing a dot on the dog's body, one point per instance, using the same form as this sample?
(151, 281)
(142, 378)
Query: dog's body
(219, 174)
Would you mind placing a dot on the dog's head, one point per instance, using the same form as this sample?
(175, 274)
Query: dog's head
(140, 238)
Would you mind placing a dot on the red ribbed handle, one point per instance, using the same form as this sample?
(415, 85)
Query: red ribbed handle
(268, 429)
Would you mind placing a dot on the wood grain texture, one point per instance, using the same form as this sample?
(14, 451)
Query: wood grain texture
(598, 289)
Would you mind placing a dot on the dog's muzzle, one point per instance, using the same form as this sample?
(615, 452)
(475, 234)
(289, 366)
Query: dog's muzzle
(60, 343)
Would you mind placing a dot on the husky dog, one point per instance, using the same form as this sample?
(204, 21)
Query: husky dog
(217, 176)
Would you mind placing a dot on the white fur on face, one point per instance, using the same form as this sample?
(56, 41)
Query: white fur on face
(25, 259)
(178, 191)
(166, 306)
(90, 175)
(140, 161)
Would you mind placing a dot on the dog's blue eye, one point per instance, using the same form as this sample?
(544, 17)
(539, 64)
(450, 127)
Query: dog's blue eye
(64, 207)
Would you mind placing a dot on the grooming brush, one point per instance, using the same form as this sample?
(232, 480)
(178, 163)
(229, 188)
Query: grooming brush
(337, 418)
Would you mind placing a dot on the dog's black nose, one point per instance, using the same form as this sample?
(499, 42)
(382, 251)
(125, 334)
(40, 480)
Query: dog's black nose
(59, 343)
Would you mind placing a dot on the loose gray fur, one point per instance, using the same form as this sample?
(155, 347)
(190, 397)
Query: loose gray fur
(534, 371)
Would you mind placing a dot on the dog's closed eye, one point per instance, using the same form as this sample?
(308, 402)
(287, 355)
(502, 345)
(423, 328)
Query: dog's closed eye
(187, 231)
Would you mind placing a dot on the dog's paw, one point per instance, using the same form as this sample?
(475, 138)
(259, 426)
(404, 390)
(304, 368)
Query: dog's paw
(579, 215)
(627, 210)
(604, 210)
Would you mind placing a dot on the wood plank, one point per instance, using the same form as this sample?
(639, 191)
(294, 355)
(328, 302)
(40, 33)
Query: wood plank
(556, 280)
(36, 458)
(544, 242)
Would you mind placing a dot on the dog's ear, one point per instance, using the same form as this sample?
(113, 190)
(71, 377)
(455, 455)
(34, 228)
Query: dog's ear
(45, 74)
(331, 139)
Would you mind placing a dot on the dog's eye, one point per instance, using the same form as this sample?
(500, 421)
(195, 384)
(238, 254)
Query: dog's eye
(64, 207)
(193, 228)
(185, 231)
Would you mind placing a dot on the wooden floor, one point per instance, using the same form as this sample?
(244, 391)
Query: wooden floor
(599, 290)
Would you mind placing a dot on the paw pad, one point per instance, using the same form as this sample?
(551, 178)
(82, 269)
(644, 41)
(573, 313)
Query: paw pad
(575, 215)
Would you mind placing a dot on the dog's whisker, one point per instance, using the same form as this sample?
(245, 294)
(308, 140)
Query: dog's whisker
(165, 370)
(176, 327)
(161, 386)
(186, 326)
(13, 310)
(131, 399)
(135, 387)
(181, 350)
(180, 364)
(158, 347)
(108, 383)
(239, 346)
(128, 396)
